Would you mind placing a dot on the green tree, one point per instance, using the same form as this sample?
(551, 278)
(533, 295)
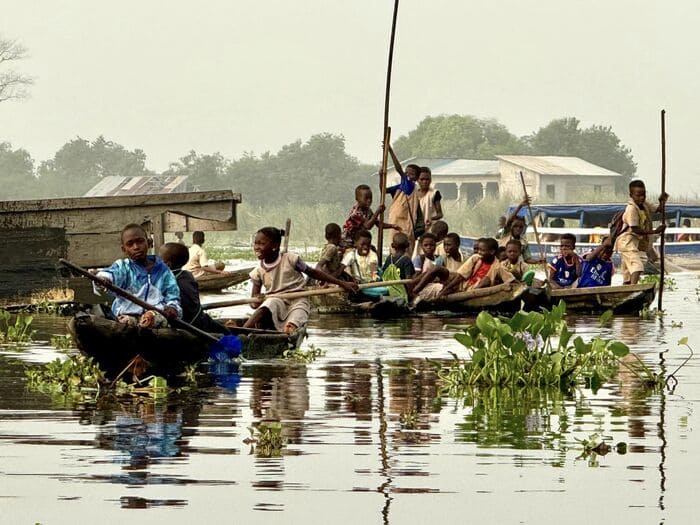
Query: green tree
(596, 144)
(458, 136)
(205, 172)
(17, 179)
(80, 164)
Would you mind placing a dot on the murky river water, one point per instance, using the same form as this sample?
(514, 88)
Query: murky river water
(368, 439)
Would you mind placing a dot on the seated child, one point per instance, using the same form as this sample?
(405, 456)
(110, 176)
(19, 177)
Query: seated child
(565, 268)
(439, 229)
(361, 216)
(399, 259)
(330, 259)
(360, 263)
(427, 259)
(515, 229)
(501, 253)
(597, 267)
(453, 256)
(479, 271)
(175, 256)
(278, 273)
(144, 276)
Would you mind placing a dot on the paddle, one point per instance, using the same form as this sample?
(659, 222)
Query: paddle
(662, 245)
(229, 345)
(303, 293)
(532, 218)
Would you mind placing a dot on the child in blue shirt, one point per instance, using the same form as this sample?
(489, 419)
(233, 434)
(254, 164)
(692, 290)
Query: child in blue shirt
(597, 267)
(145, 276)
(565, 268)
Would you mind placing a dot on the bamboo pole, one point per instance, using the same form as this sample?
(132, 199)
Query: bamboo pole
(532, 218)
(662, 246)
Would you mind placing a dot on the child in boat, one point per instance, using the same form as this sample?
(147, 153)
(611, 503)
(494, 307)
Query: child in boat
(361, 263)
(565, 268)
(405, 203)
(501, 253)
(515, 229)
(597, 267)
(453, 258)
(399, 259)
(427, 259)
(330, 259)
(198, 263)
(637, 235)
(514, 260)
(144, 276)
(175, 256)
(479, 271)
(440, 230)
(361, 215)
(279, 273)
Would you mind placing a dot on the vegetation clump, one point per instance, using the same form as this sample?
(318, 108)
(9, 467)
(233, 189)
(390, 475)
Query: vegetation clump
(533, 350)
(267, 439)
(303, 356)
(18, 332)
(76, 375)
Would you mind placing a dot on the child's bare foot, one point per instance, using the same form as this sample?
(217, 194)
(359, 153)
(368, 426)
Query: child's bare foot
(290, 328)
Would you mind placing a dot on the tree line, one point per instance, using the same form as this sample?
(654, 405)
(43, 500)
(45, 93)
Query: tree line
(316, 170)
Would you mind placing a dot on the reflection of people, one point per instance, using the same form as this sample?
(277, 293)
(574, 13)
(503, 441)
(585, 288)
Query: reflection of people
(198, 263)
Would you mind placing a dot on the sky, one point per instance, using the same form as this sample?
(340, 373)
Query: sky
(237, 76)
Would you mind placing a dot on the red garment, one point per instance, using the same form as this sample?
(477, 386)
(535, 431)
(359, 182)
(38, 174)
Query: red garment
(479, 273)
(354, 222)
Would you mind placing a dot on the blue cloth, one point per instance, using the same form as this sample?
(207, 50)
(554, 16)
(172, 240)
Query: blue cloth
(595, 272)
(564, 274)
(157, 287)
(406, 185)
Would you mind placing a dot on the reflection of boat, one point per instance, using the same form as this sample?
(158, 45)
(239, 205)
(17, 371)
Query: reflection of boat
(624, 299)
(219, 281)
(113, 345)
(500, 298)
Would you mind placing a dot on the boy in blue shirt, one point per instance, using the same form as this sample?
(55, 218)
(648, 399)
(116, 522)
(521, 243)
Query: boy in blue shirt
(565, 268)
(597, 267)
(146, 277)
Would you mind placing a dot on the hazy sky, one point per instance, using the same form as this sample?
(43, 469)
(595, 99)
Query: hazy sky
(253, 75)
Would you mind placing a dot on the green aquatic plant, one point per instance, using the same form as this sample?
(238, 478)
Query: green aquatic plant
(303, 356)
(77, 374)
(530, 349)
(670, 283)
(267, 439)
(653, 313)
(18, 332)
(62, 342)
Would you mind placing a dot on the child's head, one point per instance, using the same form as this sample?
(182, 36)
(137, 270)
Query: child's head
(486, 247)
(567, 243)
(267, 243)
(517, 227)
(425, 178)
(413, 171)
(363, 196)
(451, 244)
(513, 250)
(428, 243)
(174, 255)
(638, 192)
(134, 242)
(607, 252)
(333, 233)
(198, 238)
(439, 229)
(399, 243)
(501, 254)
(502, 221)
(686, 223)
(363, 242)
(557, 223)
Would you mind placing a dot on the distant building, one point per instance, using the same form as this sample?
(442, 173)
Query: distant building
(551, 177)
(143, 185)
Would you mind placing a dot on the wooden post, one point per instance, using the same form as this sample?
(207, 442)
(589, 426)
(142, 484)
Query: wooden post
(662, 245)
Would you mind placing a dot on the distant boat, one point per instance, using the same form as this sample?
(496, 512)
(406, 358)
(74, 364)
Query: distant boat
(218, 281)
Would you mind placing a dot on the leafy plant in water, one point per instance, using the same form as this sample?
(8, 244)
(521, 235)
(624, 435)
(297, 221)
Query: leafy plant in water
(77, 374)
(267, 438)
(530, 349)
(62, 342)
(304, 356)
(19, 332)
(670, 284)
(653, 313)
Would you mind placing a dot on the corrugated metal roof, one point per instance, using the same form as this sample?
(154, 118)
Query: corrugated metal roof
(451, 167)
(144, 185)
(554, 165)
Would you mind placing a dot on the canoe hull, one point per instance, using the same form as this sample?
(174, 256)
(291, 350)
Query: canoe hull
(503, 298)
(337, 304)
(626, 299)
(218, 281)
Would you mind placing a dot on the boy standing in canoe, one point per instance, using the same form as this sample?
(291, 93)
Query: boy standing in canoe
(144, 276)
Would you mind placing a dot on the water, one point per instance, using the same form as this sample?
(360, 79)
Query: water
(368, 438)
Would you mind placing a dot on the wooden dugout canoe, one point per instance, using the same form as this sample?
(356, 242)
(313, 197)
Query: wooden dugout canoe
(504, 297)
(623, 299)
(167, 350)
(218, 281)
(384, 308)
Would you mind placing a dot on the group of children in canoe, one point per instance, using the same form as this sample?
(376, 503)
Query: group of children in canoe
(434, 263)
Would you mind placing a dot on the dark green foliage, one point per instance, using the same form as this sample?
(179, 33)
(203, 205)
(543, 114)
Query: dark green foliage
(17, 179)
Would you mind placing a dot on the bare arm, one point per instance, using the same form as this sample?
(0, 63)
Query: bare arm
(452, 283)
(397, 164)
(328, 278)
(513, 215)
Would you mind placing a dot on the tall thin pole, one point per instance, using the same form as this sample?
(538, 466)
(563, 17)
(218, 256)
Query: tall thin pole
(532, 219)
(386, 135)
(662, 246)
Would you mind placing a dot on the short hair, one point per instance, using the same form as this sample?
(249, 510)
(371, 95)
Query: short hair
(272, 233)
(501, 249)
(439, 228)
(557, 222)
(455, 237)
(515, 242)
(414, 167)
(425, 169)
(568, 237)
(176, 253)
(332, 230)
(198, 237)
(491, 243)
(132, 226)
(686, 222)
(400, 240)
(428, 235)
(518, 218)
(636, 183)
(362, 233)
(361, 187)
